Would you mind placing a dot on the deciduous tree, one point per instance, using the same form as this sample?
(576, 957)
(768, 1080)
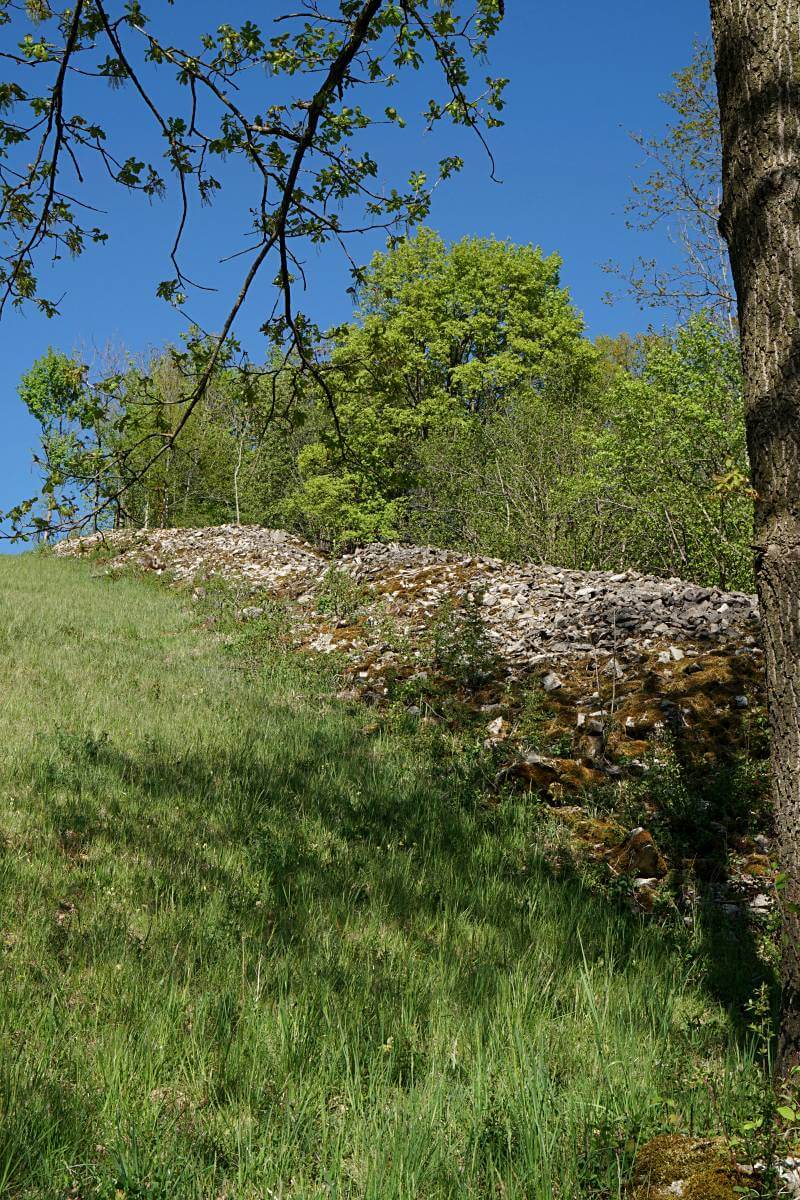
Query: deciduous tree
(443, 336)
(757, 45)
(680, 194)
(314, 178)
(72, 456)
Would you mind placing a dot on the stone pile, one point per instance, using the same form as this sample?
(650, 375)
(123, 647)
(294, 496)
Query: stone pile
(268, 559)
(535, 613)
(532, 614)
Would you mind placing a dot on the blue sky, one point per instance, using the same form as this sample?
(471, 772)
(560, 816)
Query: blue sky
(582, 75)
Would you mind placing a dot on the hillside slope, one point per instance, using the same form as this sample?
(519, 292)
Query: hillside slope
(251, 947)
(580, 683)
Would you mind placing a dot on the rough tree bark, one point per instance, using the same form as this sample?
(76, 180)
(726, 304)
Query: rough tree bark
(757, 45)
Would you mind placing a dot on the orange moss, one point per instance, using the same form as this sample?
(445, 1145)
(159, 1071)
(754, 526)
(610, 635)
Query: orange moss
(638, 855)
(556, 776)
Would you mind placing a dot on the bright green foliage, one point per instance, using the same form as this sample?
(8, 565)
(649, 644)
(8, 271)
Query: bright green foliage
(195, 481)
(248, 950)
(443, 337)
(667, 471)
(500, 485)
(96, 436)
(334, 505)
(637, 458)
(467, 322)
(233, 460)
(230, 462)
(72, 419)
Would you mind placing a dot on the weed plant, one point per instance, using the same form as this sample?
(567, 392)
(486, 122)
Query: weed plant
(340, 595)
(458, 642)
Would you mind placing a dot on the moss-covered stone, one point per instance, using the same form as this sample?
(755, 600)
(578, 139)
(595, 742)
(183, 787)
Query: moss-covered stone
(600, 833)
(692, 1168)
(638, 855)
(717, 1183)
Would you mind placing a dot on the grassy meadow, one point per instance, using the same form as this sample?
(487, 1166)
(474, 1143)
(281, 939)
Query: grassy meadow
(251, 949)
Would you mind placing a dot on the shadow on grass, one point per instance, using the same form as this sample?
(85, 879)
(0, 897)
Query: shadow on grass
(310, 826)
(360, 892)
(703, 817)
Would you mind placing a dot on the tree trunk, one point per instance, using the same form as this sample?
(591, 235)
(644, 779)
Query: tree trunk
(236, 479)
(757, 45)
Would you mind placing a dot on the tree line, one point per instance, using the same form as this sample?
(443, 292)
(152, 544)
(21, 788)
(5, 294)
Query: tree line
(471, 412)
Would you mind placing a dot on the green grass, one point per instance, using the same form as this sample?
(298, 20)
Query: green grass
(248, 951)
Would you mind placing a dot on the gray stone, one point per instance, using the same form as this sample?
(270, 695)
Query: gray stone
(532, 613)
(251, 613)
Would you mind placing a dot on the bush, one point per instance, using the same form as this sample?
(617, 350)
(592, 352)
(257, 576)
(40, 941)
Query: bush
(459, 643)
(340, 595)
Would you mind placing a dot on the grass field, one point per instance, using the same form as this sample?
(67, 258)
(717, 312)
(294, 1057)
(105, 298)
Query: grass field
(249, 950)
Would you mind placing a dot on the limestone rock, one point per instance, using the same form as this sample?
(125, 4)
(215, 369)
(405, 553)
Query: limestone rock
(531, 613)
(498, 730)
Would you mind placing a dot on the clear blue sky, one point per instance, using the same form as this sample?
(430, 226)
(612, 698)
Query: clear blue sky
(582, 74)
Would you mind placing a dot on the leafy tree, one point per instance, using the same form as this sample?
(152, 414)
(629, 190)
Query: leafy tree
(666, 469)
(497, 485)
(207, 475)
(633, 454)
(71, 457)
(443, 336)
(191, 483)
(313, 174)
(681, 193)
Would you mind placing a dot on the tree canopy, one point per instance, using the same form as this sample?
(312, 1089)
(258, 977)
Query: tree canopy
(309, 158)
(442, 336)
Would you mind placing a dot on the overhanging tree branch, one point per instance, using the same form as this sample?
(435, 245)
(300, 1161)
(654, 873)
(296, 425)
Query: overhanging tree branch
(302, 150)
